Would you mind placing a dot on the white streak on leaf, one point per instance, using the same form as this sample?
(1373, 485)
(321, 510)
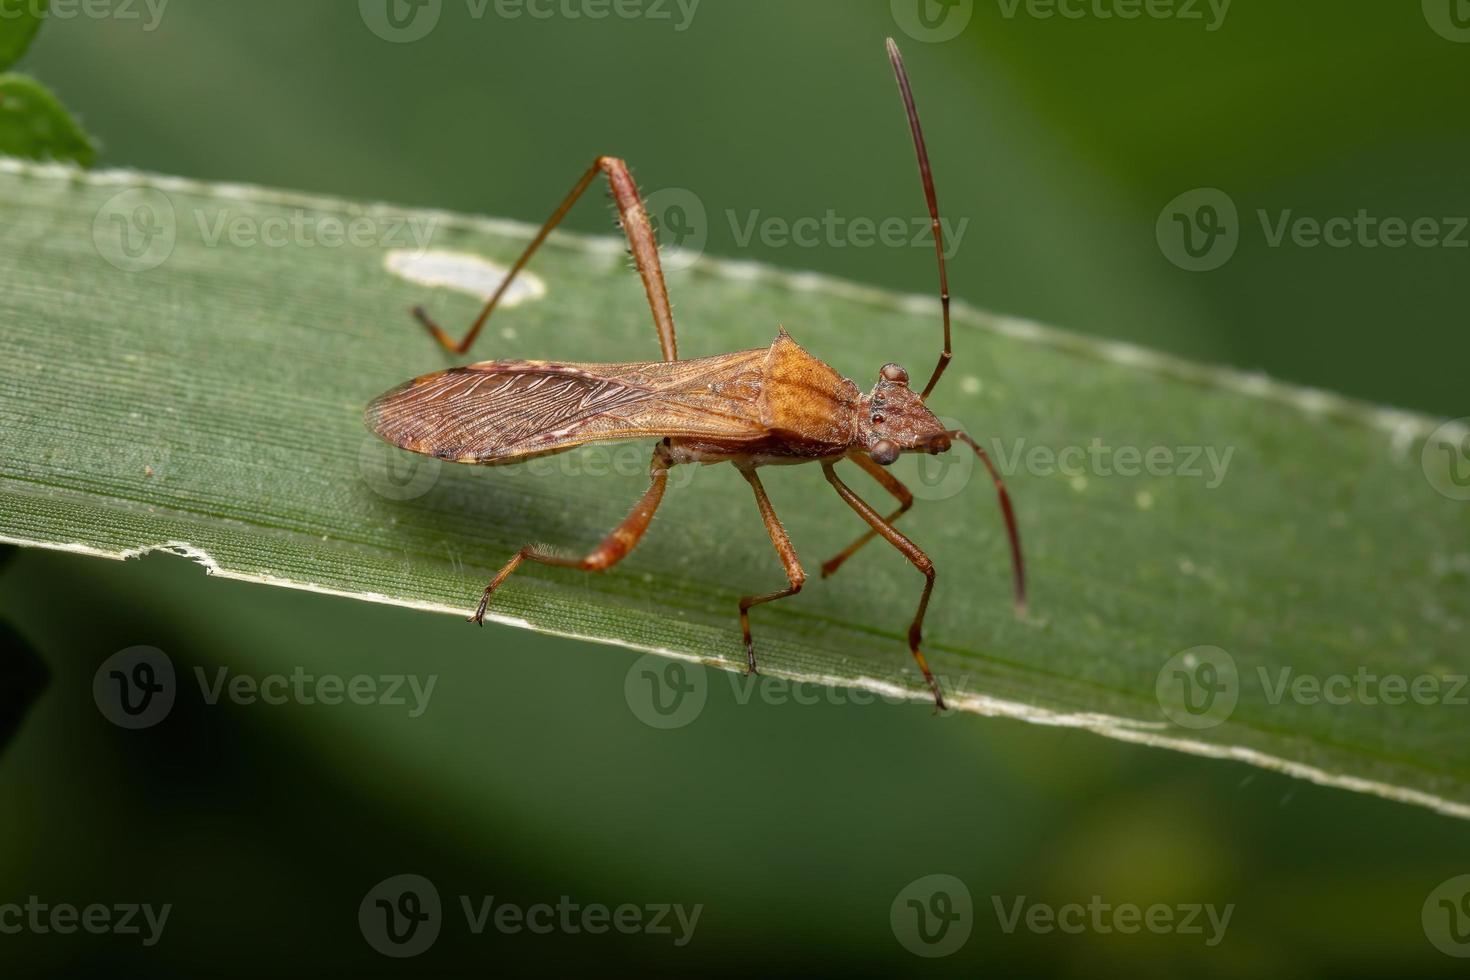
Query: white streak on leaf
(463, 273)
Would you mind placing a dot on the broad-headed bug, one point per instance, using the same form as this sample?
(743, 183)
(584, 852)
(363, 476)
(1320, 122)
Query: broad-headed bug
(761, 407)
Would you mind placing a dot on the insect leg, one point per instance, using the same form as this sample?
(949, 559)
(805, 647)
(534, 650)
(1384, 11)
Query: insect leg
(794, 575)
(613, 549)
(910, 551)
(890, 483)
(641, 239)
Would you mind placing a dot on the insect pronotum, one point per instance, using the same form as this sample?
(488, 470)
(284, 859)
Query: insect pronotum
(753, 408)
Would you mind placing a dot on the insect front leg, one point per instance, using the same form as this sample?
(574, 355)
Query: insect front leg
(613, 549)
(794, 575)
(890, 483)
(634, 219)
(910, 551)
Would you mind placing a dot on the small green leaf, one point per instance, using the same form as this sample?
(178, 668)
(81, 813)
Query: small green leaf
(19, 21)
(1220, 564)
(34, 124)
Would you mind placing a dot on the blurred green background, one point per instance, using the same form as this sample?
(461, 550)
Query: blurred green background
(1059, 140)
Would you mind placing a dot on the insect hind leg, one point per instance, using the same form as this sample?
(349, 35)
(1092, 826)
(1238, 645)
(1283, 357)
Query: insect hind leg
(634, 218)
(613, 549)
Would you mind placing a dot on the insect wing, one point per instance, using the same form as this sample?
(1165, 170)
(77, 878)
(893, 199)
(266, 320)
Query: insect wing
(501, 411)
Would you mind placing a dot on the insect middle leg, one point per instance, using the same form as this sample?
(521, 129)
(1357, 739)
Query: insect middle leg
(614, 548)
(910, 551)
(890, 483)
(794, 575)
(634, 219)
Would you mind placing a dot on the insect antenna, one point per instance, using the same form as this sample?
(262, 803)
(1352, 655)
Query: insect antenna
(928, 177)
(1018, 564)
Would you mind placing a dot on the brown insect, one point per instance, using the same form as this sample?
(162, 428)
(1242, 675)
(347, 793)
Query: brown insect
(760, 407)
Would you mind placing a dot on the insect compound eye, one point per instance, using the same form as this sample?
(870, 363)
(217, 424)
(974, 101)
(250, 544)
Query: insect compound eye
(895, 373)
(884, 452)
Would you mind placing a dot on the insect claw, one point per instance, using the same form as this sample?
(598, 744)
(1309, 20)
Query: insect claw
(478, 618)
(939, 704)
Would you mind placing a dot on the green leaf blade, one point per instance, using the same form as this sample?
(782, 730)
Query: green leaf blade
(35, 125)
(19, 22)
(183, 367)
